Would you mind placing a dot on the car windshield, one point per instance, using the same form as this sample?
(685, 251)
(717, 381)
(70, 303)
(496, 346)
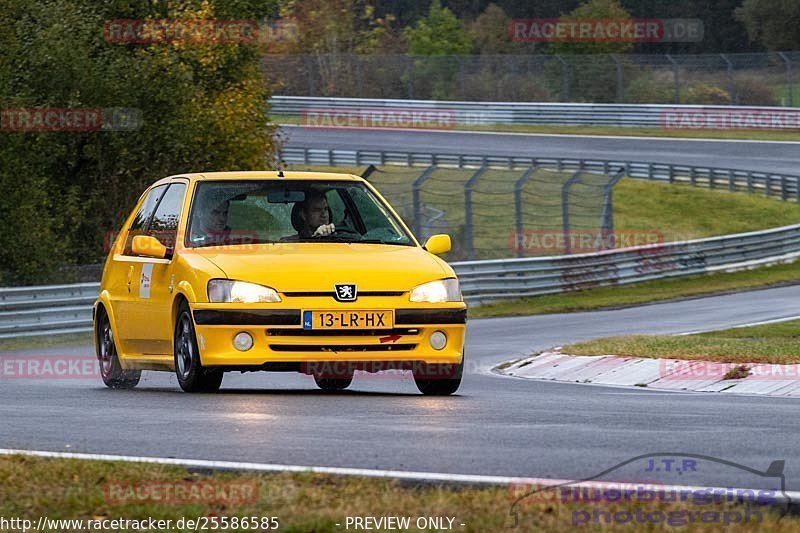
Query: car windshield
(270, 211)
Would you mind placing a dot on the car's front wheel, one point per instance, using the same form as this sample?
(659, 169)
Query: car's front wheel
(439, 379)
(114, 376)
(192, 376)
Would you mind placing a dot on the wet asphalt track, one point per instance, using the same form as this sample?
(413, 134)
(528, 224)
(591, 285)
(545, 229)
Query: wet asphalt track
(494, 425)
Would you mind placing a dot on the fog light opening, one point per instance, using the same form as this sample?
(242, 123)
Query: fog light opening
(438, 340)
(243, 341)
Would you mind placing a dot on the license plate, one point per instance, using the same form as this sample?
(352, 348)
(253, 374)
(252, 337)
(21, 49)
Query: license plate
(348, 319)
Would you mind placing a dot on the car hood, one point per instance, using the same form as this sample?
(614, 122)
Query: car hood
(290, 267)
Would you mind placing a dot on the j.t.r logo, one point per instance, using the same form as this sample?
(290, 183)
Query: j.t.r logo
(346, 293)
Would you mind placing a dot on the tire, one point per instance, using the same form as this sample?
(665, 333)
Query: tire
(192, 376)
(333, 384)
(111, 371)
(439, 379)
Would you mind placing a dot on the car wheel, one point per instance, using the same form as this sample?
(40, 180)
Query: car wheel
(192, 376)
(439, 379)
(114, 376)
(333, 384)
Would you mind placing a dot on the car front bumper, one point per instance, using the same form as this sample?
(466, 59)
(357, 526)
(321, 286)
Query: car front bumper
(278, 336)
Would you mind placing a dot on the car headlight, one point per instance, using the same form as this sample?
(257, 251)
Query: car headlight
(444, 290)
(231, 291)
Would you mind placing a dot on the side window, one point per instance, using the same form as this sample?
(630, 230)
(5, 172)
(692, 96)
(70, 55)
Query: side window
(143, 215)
(164, 225)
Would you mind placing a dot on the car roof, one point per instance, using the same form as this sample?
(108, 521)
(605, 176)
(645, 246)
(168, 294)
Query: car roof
(262, 175)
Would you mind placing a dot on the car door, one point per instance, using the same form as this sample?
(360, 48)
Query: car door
(123, 285)
(158, 275)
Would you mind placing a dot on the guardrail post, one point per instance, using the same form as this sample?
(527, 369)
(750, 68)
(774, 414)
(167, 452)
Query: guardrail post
(358, 158)
(730, 181)
(415, 196)
(693, 176)
(789, 80)
(305, 156)
(676, 78)
(520, 183)
(711, 175)
(749, 181)
(468, 187)
(330, 158)
(767, 185)
(784, 192)
(565, 209)
(671, 174)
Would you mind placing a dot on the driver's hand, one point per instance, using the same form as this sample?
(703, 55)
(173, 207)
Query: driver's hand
(324, 230)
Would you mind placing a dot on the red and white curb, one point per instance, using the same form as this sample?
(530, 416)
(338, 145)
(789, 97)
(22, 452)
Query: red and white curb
(662, 374)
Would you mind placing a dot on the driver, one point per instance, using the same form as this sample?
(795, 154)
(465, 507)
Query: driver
(211, 226)
(315, 215)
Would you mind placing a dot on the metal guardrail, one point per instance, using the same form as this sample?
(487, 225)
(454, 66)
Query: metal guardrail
(45, 310)
(29, 311)
(341, 112)
(484, 281)
(783, 186)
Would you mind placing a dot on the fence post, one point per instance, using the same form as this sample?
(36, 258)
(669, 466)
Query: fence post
(415, 195)
(731, 91)
(789, 80)
(607, 216)
(520, 183)
(312, 86)
(468, 187)
(620, 87)
(565, 209)
(564, 79)
(676, 78)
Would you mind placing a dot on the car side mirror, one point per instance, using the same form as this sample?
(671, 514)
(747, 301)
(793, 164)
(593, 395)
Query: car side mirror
(438, 244)
(148, 246)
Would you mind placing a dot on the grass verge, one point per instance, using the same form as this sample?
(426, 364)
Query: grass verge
(750, 135)
(641, 293)
(47, 341)
(72, 489)
(768, 343)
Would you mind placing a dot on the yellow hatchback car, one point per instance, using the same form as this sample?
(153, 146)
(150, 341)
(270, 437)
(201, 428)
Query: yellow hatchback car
(276, 271)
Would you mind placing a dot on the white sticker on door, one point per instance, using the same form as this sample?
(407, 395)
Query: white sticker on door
(144, 281)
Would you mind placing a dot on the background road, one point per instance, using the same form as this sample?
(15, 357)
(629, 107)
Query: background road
(771, 157)
(495, 425)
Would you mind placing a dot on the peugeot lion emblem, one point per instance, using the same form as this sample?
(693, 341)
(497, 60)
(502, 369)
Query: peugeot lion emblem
(346, 292)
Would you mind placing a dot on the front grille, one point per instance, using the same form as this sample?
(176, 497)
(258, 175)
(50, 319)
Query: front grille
(247, 317)
(342, 347)
(299, 332)
(331, 294)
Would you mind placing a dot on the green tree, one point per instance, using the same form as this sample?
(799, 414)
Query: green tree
(594, 9)
(203, 106)
(439, 33)
(439, 41)
(772, 23)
